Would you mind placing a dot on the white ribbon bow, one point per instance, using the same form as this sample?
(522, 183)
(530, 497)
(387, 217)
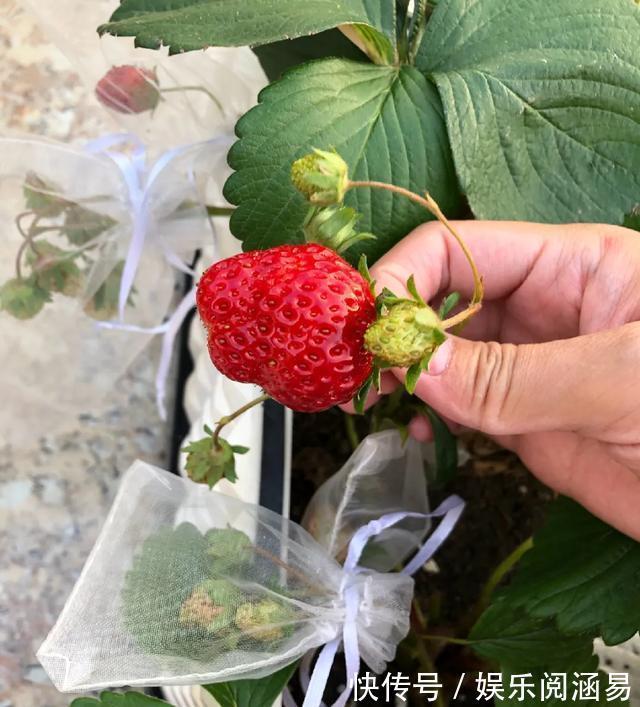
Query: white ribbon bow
(351, 592)
(140, 181)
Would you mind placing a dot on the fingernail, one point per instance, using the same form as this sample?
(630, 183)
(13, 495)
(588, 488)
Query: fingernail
(441, 359)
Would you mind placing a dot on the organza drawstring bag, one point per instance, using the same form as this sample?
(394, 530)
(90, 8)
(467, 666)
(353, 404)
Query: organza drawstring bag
(186, 585)
(385, 474)
(90, 233)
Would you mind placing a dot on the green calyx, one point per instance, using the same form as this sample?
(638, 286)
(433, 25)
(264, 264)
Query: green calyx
(321, 177)
(333, 227)
(209, 460)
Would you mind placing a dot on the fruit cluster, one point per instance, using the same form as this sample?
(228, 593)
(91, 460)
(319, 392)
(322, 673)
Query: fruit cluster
(303, 324)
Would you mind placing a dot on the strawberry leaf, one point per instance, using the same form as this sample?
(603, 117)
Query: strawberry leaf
(581, 573)
(185, 25)
(446, 446)
(277, 57)
(363, 111)
(580, 580)
(251, 693)
(229, 549)
(449, 302)
(361, 396)
(412, 376)
(541, 101)
(82, 225)
(534, 649)
(119, 699)
(104, 303)
(632, 219)
(54, 269)
(508, 635)
(171, 565)
(42, 197)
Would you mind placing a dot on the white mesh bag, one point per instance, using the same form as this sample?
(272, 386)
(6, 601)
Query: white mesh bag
(384, 475)
(185, 585)
(75, 223)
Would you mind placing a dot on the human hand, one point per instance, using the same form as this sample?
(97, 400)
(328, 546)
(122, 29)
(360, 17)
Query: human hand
(550, 367)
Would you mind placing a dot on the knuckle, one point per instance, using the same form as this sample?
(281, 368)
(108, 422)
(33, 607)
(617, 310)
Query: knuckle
(489, 386)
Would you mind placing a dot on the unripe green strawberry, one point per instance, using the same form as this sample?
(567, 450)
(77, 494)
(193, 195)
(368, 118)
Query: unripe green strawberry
(129, 89)
(403, 336)
(211, 605)
(290, 319)
(263, 621)
(321, 177)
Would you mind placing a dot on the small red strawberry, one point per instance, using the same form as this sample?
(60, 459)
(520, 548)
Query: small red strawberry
(129, 89)
(292, 320)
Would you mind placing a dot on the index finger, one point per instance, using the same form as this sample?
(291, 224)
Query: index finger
(505, 253)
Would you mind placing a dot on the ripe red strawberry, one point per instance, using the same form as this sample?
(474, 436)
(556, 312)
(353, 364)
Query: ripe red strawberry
(129, 89)
(290, 319)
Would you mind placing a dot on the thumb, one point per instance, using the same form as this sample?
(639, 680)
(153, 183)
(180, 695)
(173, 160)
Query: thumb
(503, 389)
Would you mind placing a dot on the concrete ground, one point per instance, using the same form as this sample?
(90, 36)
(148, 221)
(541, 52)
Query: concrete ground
(55, 488)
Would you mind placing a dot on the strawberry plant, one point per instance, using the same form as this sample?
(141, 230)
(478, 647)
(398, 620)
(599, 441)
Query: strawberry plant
(60, 242)
(302, 323)
(499, 109)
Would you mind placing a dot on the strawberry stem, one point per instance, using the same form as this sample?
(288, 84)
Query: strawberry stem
(35, 231)
(28, 239)
(300, 576)
(223, 421)
(220, 210)
(202, 89)
(429, 203)
(498, 574)
(461, 317)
